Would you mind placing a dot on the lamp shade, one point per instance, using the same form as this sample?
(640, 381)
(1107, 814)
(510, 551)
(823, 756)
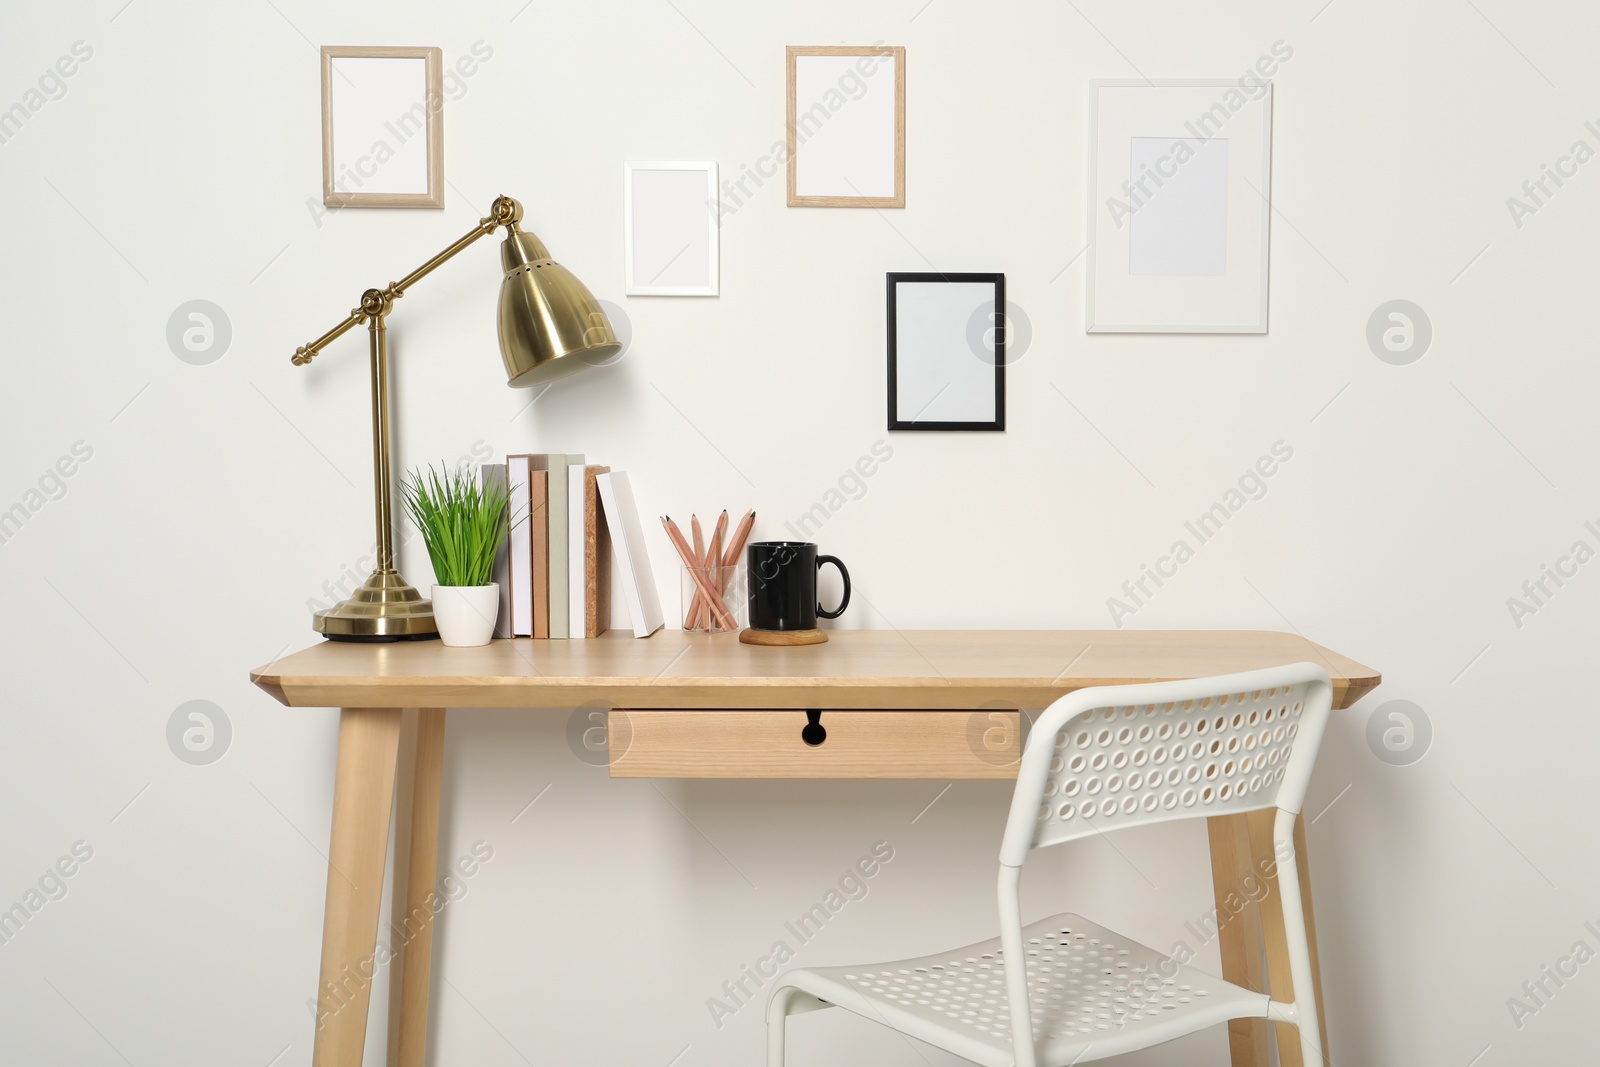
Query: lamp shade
(550, 324)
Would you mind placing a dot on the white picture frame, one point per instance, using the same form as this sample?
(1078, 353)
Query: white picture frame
(1180, 203)
(382, 127)
(670, 229)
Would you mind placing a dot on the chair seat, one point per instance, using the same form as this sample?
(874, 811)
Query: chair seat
(1093, 993)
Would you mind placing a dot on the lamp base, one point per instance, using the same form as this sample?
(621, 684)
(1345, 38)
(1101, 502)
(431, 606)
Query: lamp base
(385, 608)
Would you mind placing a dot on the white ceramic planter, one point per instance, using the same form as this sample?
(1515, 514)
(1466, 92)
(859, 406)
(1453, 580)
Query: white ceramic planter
(465, 614)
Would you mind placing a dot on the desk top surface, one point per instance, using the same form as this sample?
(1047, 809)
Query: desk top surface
(887, 669)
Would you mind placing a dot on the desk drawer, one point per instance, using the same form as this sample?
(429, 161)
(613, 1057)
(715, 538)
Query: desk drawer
(856, 744)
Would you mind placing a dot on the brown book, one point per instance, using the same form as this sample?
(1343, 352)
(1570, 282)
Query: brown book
(539, 543)
(596, 557)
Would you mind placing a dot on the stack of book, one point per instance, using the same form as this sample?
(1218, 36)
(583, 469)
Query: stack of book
(555, 570)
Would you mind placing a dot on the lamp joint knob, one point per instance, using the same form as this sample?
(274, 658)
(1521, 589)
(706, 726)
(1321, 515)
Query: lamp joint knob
(376, 302)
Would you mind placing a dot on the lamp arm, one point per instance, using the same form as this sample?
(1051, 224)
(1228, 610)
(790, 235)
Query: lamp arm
(376, 302)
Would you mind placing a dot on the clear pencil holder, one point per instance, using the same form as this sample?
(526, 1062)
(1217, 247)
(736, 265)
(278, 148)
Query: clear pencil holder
(723, 615)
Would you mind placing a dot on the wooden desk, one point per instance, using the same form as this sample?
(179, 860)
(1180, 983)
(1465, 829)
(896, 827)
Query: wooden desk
(904, 704)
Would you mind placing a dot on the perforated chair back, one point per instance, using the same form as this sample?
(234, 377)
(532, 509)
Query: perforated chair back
(1106, 758)
(1111, 757)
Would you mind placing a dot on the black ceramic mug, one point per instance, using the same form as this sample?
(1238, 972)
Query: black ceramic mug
(782, 578)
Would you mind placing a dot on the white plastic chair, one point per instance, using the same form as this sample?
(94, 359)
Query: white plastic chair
(1064, 991)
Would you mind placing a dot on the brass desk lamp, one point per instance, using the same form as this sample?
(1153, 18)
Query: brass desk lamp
(550, 326)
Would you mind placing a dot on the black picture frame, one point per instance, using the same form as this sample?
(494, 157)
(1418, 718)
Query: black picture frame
(907, 420)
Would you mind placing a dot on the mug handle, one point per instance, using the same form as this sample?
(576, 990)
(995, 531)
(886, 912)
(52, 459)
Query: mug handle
(844, 601)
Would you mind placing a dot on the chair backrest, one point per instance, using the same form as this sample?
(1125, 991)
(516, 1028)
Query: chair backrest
(1115, 756)
(1105, 758)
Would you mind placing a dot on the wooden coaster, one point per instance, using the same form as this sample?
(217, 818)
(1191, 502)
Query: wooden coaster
(782, 637)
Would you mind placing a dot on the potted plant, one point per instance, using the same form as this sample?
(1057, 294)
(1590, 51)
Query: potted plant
(464, 524)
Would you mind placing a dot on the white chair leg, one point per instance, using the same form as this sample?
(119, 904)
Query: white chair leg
(786, 1000)
(777, 1020)
(1294, 920)
(1310, 1044)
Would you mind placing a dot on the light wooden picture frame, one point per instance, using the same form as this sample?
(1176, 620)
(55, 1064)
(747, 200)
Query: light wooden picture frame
(846, 125)
(670, 229)
(1180, 202)
(382, 126)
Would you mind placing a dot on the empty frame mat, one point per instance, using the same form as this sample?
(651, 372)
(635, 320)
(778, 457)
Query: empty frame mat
(382, 127)
(947, 351)
(1180, 194)
(670, 229)
(846, 126)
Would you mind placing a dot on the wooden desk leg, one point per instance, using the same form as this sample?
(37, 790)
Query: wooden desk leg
(1234, 882)
(363, 793)
(416, 871)
(1243, 868)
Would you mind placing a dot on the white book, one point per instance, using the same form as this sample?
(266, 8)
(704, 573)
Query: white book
(577, 599)
(631, 553)
(521, 550)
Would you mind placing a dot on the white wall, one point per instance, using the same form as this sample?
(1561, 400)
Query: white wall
(179, 165)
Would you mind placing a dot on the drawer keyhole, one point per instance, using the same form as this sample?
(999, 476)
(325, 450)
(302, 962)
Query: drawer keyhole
(813, 733)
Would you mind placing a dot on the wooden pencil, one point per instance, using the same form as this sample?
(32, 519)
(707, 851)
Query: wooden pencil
(719, 582)
(696, 571)
(693, 619)
(730, 559)
(736, 543)
(710, 554)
